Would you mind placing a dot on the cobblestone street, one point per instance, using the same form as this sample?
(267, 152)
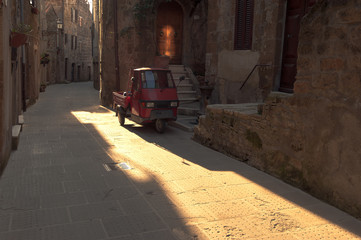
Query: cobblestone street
(77, 175)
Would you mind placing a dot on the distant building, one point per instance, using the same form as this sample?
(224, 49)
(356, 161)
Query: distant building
(67, 37)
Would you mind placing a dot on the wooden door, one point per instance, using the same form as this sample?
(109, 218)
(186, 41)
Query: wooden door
(170, 31)
(296, 9)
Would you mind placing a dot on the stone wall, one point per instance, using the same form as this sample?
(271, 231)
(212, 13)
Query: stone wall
(137, 41)
(33, 51)
(311, 138)
(81, 56)
(227, 68)
(5, 87)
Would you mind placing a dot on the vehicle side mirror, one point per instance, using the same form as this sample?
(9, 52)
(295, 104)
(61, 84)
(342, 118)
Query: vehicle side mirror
(182, 78)
(132, 79)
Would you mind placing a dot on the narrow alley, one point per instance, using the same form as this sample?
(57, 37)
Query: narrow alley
(77, 174)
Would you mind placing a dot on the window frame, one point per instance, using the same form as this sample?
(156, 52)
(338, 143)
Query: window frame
(243, 33)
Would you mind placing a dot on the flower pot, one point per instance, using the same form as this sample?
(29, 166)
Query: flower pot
(161, 61)
(34, 10)
(42, 88)
(18, 39)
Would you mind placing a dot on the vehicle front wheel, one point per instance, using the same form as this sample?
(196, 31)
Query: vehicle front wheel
(121, 118)
(160, 125)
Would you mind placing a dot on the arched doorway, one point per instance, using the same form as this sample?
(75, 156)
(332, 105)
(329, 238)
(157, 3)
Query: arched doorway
(170, 31)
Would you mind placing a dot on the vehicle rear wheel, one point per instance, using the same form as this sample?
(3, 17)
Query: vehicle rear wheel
(121, 118)
(160, 125)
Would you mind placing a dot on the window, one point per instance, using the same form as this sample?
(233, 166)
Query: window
(243, 25)
(74, 15)
(65, 38)
(72, 42)
(157, 79)
(76, 42)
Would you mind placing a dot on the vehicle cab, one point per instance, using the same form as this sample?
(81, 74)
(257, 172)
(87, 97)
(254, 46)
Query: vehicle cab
(152, 97)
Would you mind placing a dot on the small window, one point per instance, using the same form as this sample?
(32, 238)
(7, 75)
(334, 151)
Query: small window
(243, 25)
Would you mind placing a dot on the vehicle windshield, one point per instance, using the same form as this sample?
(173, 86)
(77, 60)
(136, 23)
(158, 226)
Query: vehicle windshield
(157, 79)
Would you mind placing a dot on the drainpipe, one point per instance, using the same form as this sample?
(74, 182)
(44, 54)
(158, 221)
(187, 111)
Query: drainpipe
(116, 55)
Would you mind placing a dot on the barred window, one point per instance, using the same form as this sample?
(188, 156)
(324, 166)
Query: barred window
(243, 25)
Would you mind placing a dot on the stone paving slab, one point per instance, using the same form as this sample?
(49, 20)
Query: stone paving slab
(63, 183)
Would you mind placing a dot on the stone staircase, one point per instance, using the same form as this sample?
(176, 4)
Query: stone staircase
(187, 90)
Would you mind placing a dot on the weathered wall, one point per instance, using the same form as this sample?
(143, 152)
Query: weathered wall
(5, 87)
(81, 56)
(310, 139)
(95, 46)
(227, 68)
(137, 41)
(33, 50)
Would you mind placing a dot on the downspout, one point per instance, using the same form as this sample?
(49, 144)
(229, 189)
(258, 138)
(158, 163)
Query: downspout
(116, 55)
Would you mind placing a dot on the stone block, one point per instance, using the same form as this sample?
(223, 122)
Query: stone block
(332, 64)
(15, 136)
(325, 81)
(349, 16)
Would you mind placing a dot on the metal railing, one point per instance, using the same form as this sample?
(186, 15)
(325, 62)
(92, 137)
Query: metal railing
(250, 74)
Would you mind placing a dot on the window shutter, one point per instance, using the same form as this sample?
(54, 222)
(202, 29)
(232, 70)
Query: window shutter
(243, 25)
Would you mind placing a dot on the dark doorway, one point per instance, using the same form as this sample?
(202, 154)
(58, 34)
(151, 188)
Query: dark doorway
(170, 31)
(78, 73)
(72, 72)
(296, 9)
(66, 69)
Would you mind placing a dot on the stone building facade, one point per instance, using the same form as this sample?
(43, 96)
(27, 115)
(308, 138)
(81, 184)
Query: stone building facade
(310, 138)
(128, 33)
(69, 47)
(19, 69)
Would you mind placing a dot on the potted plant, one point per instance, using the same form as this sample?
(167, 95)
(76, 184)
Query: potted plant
(44, 59)
(19, 35)
(42, 86)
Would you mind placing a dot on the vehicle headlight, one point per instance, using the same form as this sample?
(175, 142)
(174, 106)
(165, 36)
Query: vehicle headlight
(150, 105)
(174, 104)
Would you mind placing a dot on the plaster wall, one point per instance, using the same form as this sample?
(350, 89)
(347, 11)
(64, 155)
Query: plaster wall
(221, 57)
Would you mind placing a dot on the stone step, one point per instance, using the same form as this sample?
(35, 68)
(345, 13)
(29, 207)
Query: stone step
(188, 111)
(187, 94)
(185, 87)
(176, 76)
(185, 81)
(177, 68)
(15, 136)
(188, 99)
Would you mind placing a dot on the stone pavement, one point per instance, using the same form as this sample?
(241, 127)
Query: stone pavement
(78, 175)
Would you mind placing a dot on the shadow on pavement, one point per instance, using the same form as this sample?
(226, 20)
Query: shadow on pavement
(193, 152)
